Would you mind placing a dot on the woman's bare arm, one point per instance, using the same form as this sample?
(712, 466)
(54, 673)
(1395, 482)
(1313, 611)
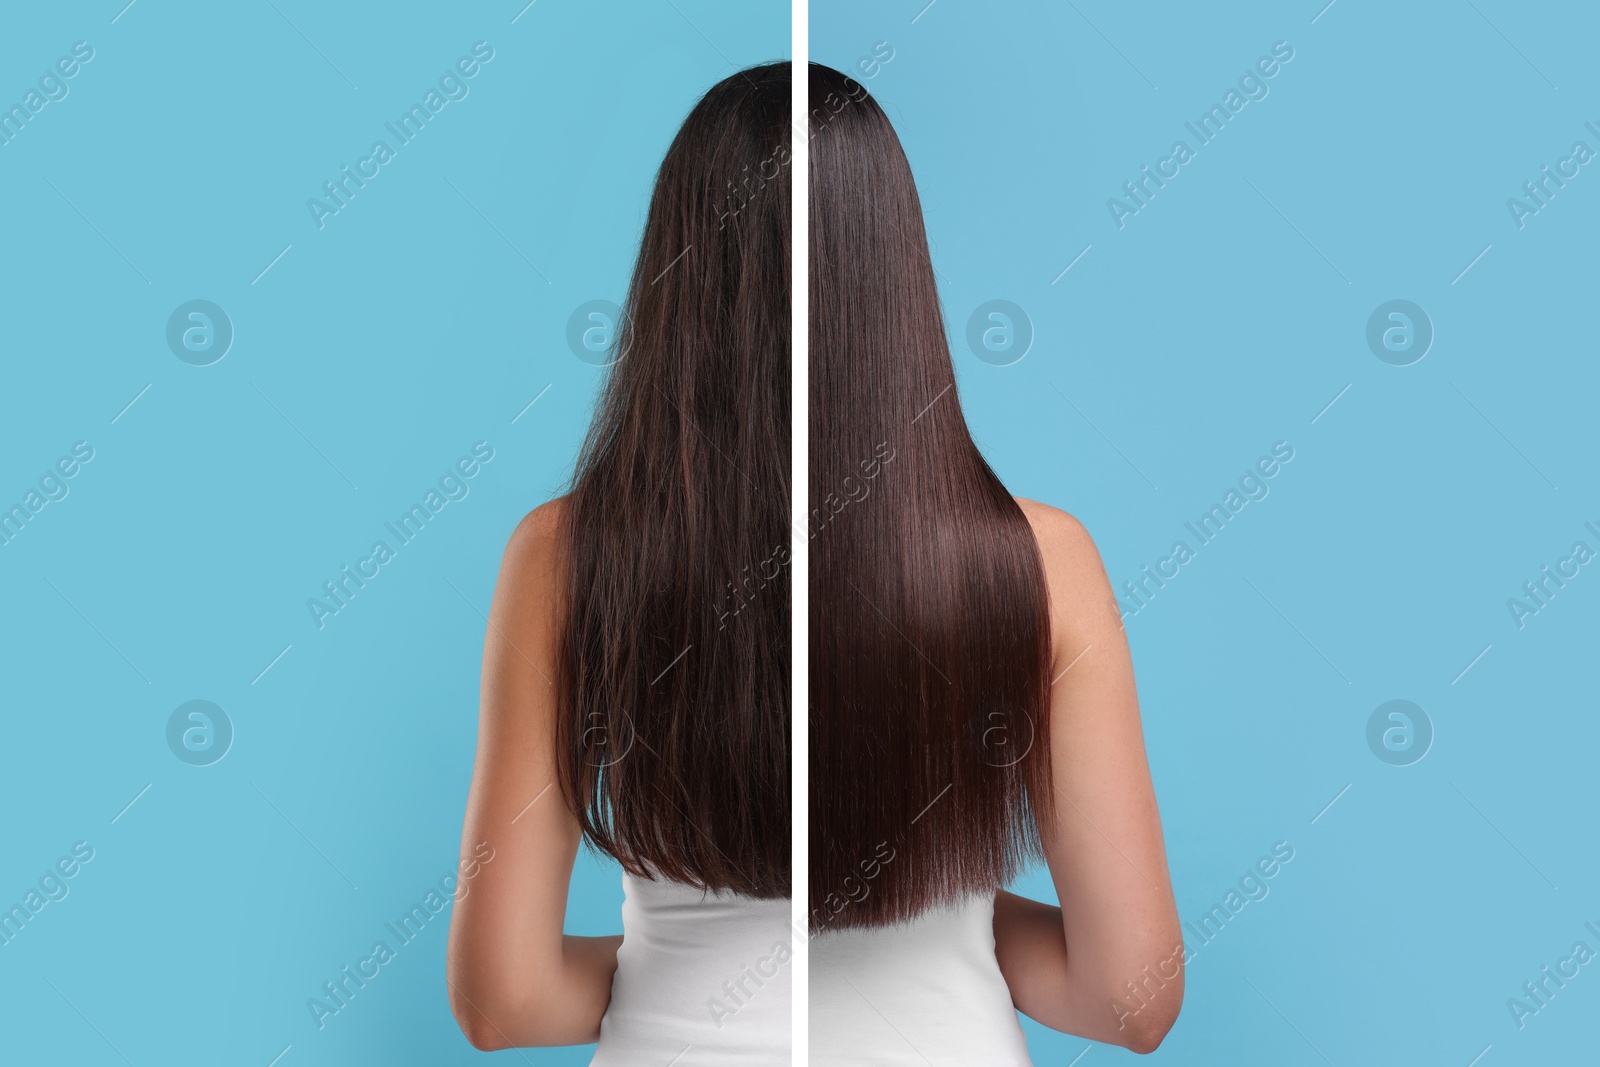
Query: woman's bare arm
(515, 979)
(1106, 964)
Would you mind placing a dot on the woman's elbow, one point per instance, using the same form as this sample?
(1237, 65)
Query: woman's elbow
(482, 1034)
(473, 1016)
(496, 1014)
(1146, 1036)
(1143, 1029)
(494, 1009)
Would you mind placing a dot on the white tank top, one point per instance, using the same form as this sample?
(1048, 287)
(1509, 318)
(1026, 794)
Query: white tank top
(926, 991)
(703, 980)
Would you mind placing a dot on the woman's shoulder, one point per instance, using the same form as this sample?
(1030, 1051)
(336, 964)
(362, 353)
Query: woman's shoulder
(545, 523)
(1079, 589)
(1064, 544)
(539, 536)
(530, 567)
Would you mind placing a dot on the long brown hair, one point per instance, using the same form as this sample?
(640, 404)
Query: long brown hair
(674, 671)
(929, 621)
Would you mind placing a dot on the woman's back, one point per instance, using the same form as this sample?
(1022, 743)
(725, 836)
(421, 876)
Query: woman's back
(702, 980)
(971, 699)
(929, 988)
(919, 992)
(636, 661)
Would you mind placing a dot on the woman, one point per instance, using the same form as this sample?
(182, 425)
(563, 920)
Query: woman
(636, 664)
(972, 695)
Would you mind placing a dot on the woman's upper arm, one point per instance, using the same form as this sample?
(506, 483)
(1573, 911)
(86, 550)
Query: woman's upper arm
(1104, 846)
(506, 940)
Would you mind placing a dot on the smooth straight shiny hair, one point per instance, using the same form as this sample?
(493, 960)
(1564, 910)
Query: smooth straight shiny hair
(672, 744)
(929, 621)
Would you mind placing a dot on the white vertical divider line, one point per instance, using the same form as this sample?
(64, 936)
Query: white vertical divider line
(799, 483)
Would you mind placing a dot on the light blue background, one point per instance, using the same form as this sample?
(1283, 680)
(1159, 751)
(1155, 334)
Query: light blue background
(1209, 328)
(423, 318)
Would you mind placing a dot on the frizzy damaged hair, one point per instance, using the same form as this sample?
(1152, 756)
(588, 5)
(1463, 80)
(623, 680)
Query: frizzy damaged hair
(929, 619)
(672, 743)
